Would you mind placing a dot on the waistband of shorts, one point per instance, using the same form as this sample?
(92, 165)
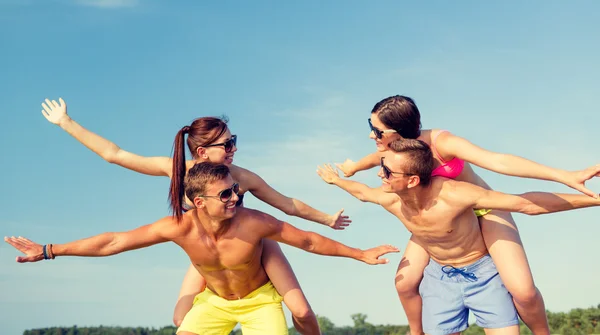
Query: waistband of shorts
(436, 268)
(266, 287)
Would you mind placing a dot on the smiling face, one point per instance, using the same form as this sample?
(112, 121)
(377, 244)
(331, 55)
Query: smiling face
(219, 199)
(220, 151)
(382, 135)
(395, 173)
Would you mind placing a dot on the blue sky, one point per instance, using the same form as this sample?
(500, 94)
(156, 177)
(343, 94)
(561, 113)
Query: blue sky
(297, 81)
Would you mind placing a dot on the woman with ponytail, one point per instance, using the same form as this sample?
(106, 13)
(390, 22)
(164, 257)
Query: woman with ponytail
(209, 139)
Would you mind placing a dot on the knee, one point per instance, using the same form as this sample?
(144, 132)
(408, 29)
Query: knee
(406, 288)
(303, 313)
(526, 295)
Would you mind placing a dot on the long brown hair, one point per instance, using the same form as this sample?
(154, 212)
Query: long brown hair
(201, 132)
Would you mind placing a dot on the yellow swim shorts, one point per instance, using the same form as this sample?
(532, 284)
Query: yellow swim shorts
(259, 312)
(481, 212)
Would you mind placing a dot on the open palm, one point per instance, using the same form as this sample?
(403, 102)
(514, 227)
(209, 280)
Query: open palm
(55, 112)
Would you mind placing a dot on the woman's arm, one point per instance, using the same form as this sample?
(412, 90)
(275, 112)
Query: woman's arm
(290, 206)
(349, 167)
(155, 166)
(449, 145)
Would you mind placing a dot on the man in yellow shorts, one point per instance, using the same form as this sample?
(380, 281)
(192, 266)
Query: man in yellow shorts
(224, 242)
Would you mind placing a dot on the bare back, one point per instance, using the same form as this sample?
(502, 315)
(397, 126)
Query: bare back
(447, 229)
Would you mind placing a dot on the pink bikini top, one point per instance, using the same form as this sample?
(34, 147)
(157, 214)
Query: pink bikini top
(450, 169)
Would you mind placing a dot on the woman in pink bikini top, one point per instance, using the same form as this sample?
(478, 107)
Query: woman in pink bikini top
(398, 117)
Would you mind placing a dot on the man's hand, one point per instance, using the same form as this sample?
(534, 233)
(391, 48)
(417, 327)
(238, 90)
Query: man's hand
(328, 173)
(32, 250)
(339, 221)
(371, 256)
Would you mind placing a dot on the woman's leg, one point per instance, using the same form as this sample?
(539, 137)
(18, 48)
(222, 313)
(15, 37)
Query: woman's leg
(283, 278)
(502, 239)
(193, 283)
(408, 278)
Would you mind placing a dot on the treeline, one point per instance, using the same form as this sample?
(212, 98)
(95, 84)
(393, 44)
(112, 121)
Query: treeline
(578, 321)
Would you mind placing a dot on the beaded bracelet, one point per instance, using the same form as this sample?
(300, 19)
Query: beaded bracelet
(45, 252)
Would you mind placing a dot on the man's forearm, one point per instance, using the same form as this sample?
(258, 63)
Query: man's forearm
(356, 189)
(318, 244)
(543, 203)
(96, 246)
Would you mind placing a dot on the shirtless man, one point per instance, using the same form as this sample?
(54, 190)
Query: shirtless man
(438, 212)
(224, 242)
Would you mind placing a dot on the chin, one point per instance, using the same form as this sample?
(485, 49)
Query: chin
(380, 146)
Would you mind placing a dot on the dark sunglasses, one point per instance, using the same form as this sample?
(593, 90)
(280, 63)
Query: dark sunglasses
(379, 133)
(387, 173)
(228, 145)
(226, 194)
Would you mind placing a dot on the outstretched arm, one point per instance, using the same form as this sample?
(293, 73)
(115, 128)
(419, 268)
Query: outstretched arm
(274, 229)
(349, 167)
(530, 203)
(290, 206)
(360, 191)
(105, 244)
(56, 112)
(454, 146)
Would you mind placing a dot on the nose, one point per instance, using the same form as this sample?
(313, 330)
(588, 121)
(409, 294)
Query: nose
(234, 148)
(372, 135)
(380, 172)
(234, 197)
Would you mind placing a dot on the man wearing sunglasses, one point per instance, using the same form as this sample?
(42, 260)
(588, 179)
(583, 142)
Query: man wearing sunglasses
(439, 212)
(224, 242)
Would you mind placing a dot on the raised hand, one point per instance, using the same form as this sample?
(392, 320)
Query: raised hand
(55, 112)
(33, 251)
(347, 167)
(339, 221)
(577, 179)
(371, 256)
(328, 173)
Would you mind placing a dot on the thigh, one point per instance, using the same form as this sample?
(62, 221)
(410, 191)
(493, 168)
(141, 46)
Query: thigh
(443, 309)
(512, 330)
(266, 319)
(282, 276)
(489, 300)
(410, 269)
(503, 241)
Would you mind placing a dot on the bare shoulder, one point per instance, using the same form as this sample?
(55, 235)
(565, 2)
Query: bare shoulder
(256, 220)
(454, 191)
(170, 228)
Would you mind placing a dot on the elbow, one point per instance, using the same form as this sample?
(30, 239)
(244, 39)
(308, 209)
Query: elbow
(308, 245)
(532, 210)
(361, 197)
(290, 209)
(112, 247)
(111, 155)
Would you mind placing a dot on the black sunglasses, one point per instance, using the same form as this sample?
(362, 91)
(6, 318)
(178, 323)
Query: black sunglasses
(228, 145)
(226, 194)
(379, 133)
(387, 173)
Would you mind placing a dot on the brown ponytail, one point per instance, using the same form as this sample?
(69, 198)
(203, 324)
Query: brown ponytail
(176, 191)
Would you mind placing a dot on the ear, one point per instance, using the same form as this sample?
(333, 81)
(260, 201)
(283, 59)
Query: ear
(201, 152)
(199, 202)
(413, 181)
